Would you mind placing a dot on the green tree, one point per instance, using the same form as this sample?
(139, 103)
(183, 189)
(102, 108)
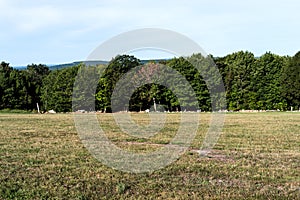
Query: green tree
(115, 69)
(57, 89)
(238, 71)
(5, 88)
(290, 81)
(85, 86)
(34, 75)
(265, 83)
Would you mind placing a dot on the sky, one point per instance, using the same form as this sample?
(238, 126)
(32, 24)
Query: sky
(63, 31)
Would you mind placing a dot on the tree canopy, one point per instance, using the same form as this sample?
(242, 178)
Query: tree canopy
(268, 82)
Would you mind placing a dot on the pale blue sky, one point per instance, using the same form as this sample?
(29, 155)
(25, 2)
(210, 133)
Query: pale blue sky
(53, 31)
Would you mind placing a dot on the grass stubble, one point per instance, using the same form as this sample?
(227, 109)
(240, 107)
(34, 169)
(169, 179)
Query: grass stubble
(257, 157)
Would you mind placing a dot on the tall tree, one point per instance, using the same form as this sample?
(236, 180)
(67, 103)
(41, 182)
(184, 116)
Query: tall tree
(34, 75)
(57, 89)
(239, 67)
(87, 80)
(265, 83)
(116, 68)
(290, 80)
(6, 91)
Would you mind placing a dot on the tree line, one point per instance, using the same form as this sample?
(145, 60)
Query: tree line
(269, 82)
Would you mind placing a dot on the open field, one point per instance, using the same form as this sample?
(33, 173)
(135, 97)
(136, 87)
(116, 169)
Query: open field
(257, 157)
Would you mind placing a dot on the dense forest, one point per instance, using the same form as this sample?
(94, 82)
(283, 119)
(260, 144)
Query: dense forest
(269, 82)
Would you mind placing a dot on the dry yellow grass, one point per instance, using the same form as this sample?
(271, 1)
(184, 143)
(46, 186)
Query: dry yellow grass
(257, 157)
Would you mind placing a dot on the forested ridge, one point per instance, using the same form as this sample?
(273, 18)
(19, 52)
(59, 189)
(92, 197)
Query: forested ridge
(269, 82)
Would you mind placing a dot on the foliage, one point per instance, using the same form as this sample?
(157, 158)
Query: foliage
(58, 88)
(21, 89)
(290, 81)
(85, 86)
(115, 69)
(269, 82)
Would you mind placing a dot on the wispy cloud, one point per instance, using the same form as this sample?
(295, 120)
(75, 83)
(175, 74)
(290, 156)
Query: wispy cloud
(69, 28)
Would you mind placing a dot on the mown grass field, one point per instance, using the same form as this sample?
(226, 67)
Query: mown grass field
(257, 157)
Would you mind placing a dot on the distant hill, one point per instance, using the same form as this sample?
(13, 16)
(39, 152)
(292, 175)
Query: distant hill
(93, 63)
(60, 66)
(88, 63)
